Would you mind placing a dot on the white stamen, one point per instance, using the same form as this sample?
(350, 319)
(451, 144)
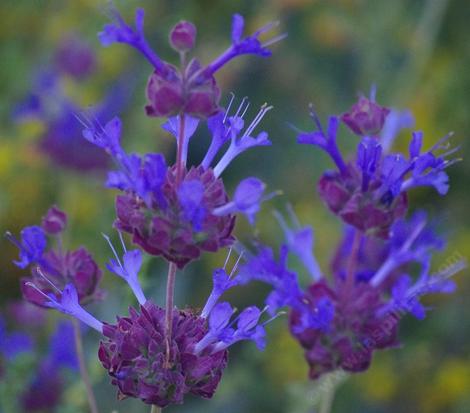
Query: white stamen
(32, 285)
(228, 257)
(293, 216)
(38, 269)
(274, 40)
(227, 111)
(241, 106)
(264, 109)
(112, 248)
(122, 242)
(236, 265)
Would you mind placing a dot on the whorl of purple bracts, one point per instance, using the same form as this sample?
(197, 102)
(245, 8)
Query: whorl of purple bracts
(344, 196)
(170, 93)
(134, 353)
(76, 266)
(365, 118)
(75, 57)
(352, 335)
(178, 230)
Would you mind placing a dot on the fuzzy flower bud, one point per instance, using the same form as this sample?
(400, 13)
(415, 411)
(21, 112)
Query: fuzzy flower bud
(54, 221)
(365, 118)
(183, 36)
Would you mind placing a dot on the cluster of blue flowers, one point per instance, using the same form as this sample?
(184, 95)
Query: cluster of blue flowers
(179, 211)
(341, 319)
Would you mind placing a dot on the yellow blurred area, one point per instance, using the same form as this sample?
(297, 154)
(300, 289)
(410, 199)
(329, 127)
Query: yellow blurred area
(450, 384)
(330, 30)
(284, 360)
(380, 382)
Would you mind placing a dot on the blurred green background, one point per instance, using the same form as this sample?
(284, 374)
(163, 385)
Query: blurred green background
(418, 54)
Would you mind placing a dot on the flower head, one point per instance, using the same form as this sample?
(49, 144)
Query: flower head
(370, 192)
(192, 88)
(179, 211)
(340, 322)
(52, 269)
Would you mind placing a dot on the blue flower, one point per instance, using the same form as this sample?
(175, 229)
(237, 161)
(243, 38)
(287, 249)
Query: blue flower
(120, 32)
(32, 245)
(62, 347)
(68, 304)
(128, 269)
(246, 200)
(13, 344)
(191, 199)
(299, 241)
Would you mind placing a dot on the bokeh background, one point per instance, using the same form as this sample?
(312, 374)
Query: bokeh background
(417, 52)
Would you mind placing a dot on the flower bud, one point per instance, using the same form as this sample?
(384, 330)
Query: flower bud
(54, 221)
(183, 36)
(365, 118)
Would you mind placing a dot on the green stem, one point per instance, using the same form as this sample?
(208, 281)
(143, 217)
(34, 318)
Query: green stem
(170, 292)
(155, 409)
(327, 400)
(83, 368)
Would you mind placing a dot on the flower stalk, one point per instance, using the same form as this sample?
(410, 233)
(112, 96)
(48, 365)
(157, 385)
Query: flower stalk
(83, 369)
(170, 292)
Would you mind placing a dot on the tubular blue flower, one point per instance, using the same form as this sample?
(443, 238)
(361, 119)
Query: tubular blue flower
(300, 242)
(246, 141)
(172, 125)
(120, 32)
(396, 121)
(32, 245)
(264, 267)
(68, 304)
(325, 141)
(243, 45)
(128, 269)
(190, 197)
(368, 157)
(221, 283)
(409, 241)
(221, 334)
(247, 199)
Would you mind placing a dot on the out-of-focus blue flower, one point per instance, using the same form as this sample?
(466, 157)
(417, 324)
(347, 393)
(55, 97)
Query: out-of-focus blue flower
(32, 245)
(62, 347)
(13, 344)
(340, 323)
